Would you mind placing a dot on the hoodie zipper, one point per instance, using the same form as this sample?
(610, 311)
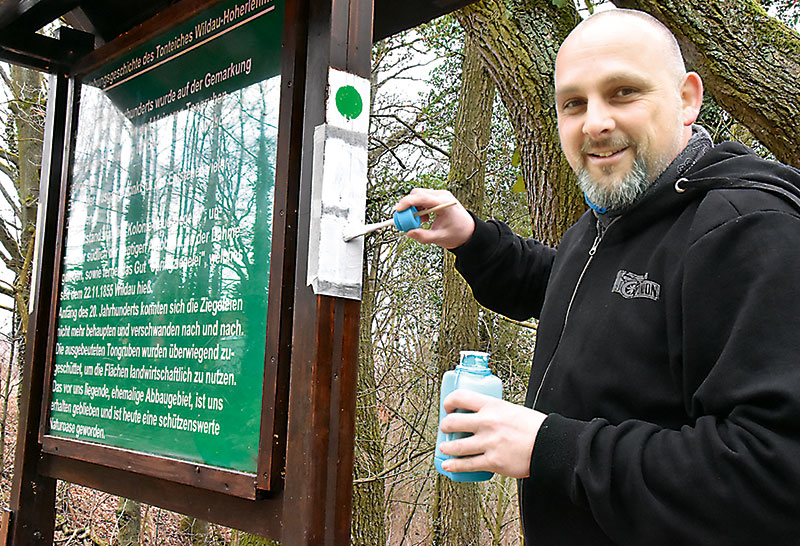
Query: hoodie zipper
(601, 232)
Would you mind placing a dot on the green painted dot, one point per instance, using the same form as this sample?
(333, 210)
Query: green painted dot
(348, 102)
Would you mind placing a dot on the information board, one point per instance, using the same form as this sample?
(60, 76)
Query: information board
(162, 316)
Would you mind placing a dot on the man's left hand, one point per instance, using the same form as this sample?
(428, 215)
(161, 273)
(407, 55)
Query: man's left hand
(503, 434)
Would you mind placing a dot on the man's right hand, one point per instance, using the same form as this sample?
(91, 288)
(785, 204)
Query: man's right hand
(452, 226)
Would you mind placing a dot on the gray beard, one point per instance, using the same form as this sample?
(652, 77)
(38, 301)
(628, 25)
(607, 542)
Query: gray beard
(633, 185)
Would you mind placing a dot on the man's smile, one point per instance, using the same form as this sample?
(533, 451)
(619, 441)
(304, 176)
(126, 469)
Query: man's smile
(606, 154)
(606, 157)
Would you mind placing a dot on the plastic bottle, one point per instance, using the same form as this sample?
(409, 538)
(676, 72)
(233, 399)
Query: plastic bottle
(472, 373)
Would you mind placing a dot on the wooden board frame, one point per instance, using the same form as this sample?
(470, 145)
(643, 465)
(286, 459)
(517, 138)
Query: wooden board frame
(303, 489)
(273, 411)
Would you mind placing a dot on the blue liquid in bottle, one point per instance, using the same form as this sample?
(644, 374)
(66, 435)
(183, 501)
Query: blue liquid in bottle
(473, 374)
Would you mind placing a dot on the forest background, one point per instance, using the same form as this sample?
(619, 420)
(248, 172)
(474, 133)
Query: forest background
(462, 103)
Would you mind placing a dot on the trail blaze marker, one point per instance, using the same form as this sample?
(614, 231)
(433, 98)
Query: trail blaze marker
(348, 102)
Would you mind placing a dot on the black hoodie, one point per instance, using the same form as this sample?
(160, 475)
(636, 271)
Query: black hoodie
(667, 359)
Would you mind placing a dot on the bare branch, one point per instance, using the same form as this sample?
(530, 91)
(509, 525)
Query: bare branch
(387, 471)
(388, 149)
(421, 138)
(529, 325)
(6, 170)
(11, 159)
(6, 79)
(8, 197)
(22, 305)
(10, 244)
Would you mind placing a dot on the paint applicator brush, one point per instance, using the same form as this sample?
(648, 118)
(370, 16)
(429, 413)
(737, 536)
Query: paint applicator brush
(404, 220)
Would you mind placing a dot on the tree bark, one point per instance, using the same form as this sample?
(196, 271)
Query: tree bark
(195, 530)
(246, 539)
(457, 519)
(129, 523)
(27, 108)
(369, 499)
(518, 41)
(750, 63)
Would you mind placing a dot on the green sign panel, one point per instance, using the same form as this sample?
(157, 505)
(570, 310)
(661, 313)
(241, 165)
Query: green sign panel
(232, 45)
(162, 314)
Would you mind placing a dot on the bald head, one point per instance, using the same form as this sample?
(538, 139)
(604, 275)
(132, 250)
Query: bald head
(618, 24)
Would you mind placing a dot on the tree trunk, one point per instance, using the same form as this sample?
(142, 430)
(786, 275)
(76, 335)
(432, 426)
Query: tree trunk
(27, 108)
(457, 520)
(518, 43)
(195, 530)
(750, 63)
(7, 394)
(29, 122)
(129, 523)
(369, 501)
(246, 539)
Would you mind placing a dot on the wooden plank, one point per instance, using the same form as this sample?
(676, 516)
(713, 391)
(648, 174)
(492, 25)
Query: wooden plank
(306, 445)
(325, 340)
(359, 38)
(164, 20)
(26, 60)
(56, 251)
(261, 517)
(45, 53)
(392, 16)
(24, 17)
(272, 447)
(345, 385)
(33, 495)
(5, 524)
(239, 484)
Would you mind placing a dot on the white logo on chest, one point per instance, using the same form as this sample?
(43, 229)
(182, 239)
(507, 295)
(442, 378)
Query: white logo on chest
(630, 285)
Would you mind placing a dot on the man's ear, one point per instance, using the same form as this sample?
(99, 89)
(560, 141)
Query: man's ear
(691, 97)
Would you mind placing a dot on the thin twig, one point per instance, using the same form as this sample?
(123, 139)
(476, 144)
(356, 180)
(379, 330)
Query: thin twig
(387, 471)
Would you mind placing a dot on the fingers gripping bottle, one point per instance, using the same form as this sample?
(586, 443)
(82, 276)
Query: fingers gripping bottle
(473, 374)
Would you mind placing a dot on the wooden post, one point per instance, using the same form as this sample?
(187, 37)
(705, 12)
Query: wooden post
(322, 391)
(30, 489)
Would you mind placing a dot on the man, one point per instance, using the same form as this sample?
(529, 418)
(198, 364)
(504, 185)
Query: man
(664, 400)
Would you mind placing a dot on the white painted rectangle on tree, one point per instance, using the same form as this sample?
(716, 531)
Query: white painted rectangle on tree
(338, 200)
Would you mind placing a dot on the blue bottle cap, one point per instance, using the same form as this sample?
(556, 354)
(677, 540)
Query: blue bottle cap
(404, 220)
(475, 362)
(474, 358)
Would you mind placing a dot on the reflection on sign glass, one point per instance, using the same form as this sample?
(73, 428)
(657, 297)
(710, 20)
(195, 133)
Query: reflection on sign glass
(162, 314)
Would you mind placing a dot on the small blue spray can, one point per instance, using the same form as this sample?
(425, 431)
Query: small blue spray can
(472, 373)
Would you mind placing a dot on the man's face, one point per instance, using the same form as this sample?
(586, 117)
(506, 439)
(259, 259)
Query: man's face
(617, 101)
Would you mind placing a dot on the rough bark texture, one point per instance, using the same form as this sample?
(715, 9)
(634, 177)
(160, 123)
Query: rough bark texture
(369, 500)
(246, 539)
(129, 523)
(194, 531)
(749, 61)
(28, 109)
(456, 517)
(518, 41)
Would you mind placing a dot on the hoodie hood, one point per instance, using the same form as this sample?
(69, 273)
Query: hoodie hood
(733, 165)
(729, 165)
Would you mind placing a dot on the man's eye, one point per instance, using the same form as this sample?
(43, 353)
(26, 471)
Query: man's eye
(625, 91)
(572, 104)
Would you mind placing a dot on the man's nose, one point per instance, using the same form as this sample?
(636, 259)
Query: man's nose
(599, 120)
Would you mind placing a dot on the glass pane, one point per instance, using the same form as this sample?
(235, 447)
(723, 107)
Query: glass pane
(162, 317)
